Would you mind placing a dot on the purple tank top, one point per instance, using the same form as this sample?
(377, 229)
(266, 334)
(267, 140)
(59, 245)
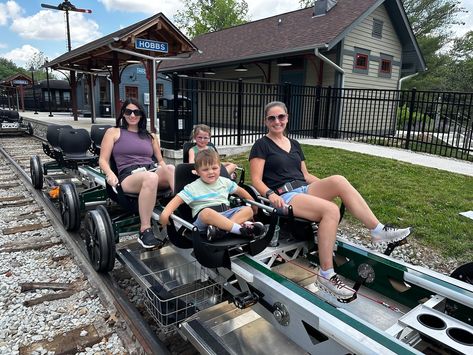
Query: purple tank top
(130, 149)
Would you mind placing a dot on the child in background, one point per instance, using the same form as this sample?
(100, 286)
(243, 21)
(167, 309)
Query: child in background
(201, 137)
(208, 199)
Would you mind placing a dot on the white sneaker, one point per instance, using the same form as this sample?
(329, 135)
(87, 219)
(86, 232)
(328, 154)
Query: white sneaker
(335, 287)
(390, 234)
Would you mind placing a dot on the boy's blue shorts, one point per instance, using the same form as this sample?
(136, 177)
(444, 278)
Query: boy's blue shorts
(201, 226)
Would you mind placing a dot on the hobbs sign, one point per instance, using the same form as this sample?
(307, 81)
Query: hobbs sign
(146, 44)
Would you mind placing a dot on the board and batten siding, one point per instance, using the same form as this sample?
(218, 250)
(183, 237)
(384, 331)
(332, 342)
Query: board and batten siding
(389, 45)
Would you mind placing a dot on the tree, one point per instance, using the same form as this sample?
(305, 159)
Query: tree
(36, 62)
(8, 68)
(202, 16)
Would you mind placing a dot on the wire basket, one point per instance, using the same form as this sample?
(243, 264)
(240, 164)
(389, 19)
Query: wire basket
(176, 293)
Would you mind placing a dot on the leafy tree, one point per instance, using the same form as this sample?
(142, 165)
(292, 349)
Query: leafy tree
(306, 3)
(202, 16)
(7, 68)
(36, 62)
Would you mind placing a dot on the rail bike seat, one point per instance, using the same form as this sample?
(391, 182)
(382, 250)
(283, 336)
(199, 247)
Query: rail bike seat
(52, 149)
(188, 146)
(9, 116)
(210, 254)
(299, 228)
(74, 146)
(97, 131)
(129, 201)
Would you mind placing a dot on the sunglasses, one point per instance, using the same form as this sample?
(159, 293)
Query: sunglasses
(281, 117)
(128, 112)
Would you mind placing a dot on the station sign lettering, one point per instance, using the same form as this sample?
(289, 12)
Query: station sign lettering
(20, 82)
(141, 43)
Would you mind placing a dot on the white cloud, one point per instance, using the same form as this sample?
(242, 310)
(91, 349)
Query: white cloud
(258, 9)
(168, 8)
(3, 45)
(21, 55)
(51, 25)
(9, 10)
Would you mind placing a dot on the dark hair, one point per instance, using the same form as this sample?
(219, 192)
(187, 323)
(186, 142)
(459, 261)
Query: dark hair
(272, 104)
(206, 157)
(122, 123)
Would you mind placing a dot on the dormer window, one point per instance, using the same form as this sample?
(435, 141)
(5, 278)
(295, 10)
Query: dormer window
(377, 31)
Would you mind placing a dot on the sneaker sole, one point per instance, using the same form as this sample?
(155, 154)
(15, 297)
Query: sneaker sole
(339, 298)
(146, 245)
(381, 242)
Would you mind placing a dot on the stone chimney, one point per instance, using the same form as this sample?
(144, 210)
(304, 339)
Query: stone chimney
(321, 7)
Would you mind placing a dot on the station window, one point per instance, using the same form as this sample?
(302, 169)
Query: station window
(361, 61)
(385, 66)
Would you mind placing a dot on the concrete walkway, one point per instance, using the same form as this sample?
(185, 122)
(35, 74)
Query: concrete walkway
(428, 160)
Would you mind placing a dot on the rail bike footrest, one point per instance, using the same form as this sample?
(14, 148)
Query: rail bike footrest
(391, 246)
(245, 299)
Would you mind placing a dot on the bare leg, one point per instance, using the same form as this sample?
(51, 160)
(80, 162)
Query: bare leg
(210, 216)
(327, 213)
(338, 186)
(146, 185)
(166, 178)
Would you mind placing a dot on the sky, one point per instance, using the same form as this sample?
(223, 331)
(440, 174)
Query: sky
(26, 28)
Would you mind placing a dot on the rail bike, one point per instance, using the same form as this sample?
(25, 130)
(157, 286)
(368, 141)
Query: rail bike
(237, 295)
(11, 123)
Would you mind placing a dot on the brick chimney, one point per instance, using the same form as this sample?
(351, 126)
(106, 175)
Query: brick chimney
(321, 7)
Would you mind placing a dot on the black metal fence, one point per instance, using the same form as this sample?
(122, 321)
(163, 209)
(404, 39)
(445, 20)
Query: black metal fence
(434, 122)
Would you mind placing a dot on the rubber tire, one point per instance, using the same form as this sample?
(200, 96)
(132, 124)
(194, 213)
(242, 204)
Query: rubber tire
(69, 206)
(36, 172)
(464, 273)
(99, 240)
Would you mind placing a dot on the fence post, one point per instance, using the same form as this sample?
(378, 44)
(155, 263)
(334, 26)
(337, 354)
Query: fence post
(239, 110)
(328, 99)
(411, 114)
(315, 132)
(287, 95)
(175, 107)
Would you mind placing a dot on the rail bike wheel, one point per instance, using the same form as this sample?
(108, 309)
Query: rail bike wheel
(464, 273)
(36, 172)
(69, 206)
(100, 239)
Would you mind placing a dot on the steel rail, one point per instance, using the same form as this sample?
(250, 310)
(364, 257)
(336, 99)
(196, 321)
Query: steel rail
(109, 291)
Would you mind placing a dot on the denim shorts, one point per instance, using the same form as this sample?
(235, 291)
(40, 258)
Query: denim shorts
(201, 226)
(288, 196)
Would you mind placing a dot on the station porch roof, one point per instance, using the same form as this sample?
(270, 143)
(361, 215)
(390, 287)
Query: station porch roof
(98, 55)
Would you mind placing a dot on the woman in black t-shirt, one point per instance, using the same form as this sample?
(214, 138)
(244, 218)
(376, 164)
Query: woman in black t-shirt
(278, 171)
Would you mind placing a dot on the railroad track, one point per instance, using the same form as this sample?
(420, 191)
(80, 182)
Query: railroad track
(72, 307)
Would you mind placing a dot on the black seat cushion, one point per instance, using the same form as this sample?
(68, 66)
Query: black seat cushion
(52, 134)
(74, 143)
(97, 131)
(188, 146)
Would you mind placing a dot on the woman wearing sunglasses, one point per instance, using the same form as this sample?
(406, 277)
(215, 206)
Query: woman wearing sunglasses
(134, 149)
(278, 171)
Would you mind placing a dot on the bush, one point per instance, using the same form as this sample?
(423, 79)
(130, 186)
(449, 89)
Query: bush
(418, 118)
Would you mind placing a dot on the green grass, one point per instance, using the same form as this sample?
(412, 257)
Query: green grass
(403, 194)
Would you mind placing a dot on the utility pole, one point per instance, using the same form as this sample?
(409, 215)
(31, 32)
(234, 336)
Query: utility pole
(66, 6)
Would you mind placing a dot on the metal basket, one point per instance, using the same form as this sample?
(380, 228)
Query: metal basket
(178, 292)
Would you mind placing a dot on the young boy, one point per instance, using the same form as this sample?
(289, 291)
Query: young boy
(208, 199)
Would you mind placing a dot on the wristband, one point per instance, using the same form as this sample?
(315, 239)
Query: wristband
(269, 192)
